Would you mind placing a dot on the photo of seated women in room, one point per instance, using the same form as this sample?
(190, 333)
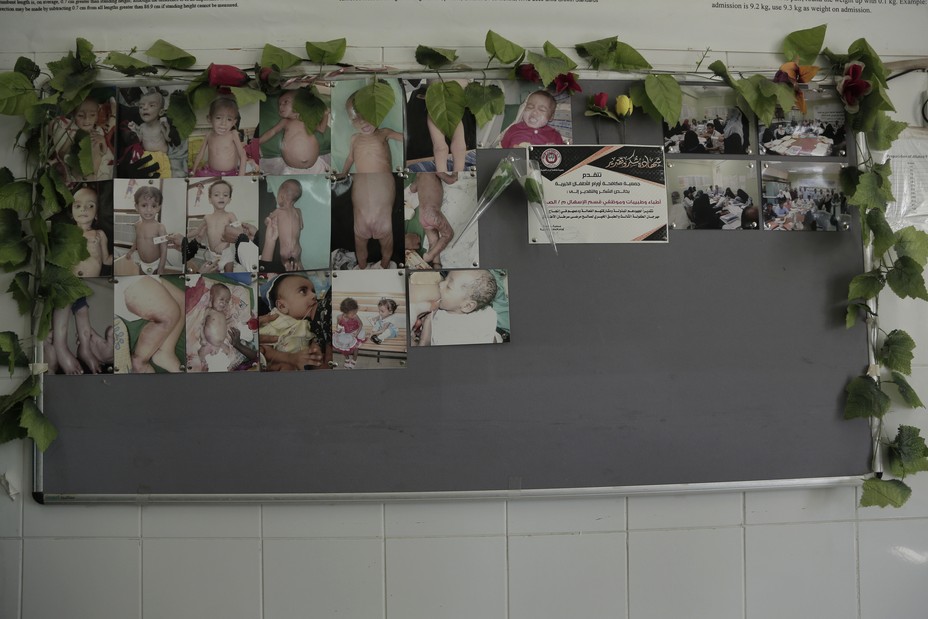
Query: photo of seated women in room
(713, 194)
(711, 123)
(804, 196)
(817, 132)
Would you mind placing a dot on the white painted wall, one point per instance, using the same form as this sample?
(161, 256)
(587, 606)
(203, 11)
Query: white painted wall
(740, 555)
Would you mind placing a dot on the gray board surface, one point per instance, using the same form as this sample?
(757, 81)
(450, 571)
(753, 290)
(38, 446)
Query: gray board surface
(721, 356)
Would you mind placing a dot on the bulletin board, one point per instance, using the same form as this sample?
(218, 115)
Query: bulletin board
(718, 357)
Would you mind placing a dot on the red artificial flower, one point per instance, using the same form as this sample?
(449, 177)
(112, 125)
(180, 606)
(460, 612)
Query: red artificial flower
(853, 87)
(265, 73)
(220, 75)
(599, 100)
(253, 323)
(528, 73)
(567, 81)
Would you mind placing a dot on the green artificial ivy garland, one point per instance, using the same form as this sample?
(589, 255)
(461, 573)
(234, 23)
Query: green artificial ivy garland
(41, 252)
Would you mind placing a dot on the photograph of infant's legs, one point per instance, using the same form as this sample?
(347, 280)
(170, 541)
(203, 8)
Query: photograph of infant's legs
(295, 215)
(435, 214)
(149, 324)
(367, 222)
(461, 306)
(295, 320)
(428, 149)
(221, 323)
(369, 319)
(81, 339)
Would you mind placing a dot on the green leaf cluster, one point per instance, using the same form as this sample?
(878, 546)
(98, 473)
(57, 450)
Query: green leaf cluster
(374, 101)
(20, 416)
(907, 452)
(327, 52)
(884, 492)
(659, 96)
(610, 54)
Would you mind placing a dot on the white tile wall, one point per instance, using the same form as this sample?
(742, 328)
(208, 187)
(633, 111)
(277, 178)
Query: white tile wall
(686, 573)
(743, 555)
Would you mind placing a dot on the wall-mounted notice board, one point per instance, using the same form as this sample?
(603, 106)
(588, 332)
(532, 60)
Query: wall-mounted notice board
(718, 357)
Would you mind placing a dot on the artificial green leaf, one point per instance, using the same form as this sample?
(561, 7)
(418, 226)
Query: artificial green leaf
(485, 102)
(718, 68)
(884, 131)
(327, 52)
(10, 430)
(72, 79)
(853, 310)
(273, 56)
(29, 388)
(55, 192)
(16, 196)
(598, 52)
(247, 96)
(6, 177)
(870, 107)
(533, 191)
(883, 235)
(907, 452)
(763, 96)
(374, 101)
(66, 245)
(199, 96)
(85, 53)
(21, 292)
(548, 68)
(838, 60)
(171, 55)
(865, 399)
(181, 114)
(665, 95)
(866, 285)
(27, 67)
(873, 66)
(39, 228)
(849, 178)
(502, 49)
(445, 103)
(43, 321)
(60, 287)
(14, 250)
(37, 425)
(9, 344)
(310, 108)
(870, 192)
(637, 94)
(906, 279)
(905, 390)
(127, 65)
(883, 492)
(896, 351)
(553, 52)
(626, 58)
(16, 94)
(912, 243)
(435, 57)
(85, 154)
(803, 46)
